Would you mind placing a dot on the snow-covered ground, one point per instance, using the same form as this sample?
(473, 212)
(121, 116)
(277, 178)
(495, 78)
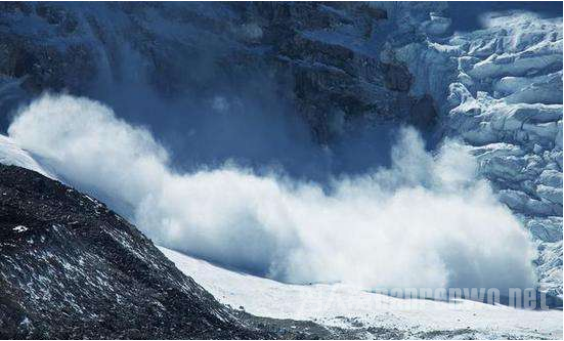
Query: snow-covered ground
(341, 306)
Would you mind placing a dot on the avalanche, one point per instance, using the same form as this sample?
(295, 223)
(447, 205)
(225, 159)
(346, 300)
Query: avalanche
(504, 99)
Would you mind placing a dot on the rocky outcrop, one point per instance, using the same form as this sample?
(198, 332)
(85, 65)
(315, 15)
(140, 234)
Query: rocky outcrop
(71, 268)
(320, 58)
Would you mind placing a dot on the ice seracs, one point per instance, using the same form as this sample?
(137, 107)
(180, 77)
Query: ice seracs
(505, 100)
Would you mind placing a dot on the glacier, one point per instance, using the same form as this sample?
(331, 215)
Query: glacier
(504, 98)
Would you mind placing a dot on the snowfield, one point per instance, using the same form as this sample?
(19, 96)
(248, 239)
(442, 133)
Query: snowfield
(341, 306)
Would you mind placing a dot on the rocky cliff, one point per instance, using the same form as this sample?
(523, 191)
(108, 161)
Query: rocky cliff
(322, 58)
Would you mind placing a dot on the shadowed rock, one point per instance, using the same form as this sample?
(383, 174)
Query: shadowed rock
(71, 268)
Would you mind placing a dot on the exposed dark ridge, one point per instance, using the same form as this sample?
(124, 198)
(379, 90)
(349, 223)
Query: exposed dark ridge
(71, 268)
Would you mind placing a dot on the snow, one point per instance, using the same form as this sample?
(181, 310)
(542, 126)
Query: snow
(541, 89)
(498, 89)
(348, 307)
(20, 229)
(25, 322)
(12, 154)
(541, 56)
(504, 99)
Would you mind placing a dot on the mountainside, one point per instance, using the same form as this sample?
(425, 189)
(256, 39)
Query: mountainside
(321, 58)
(71, 268)
(496, 86)
(211, 81)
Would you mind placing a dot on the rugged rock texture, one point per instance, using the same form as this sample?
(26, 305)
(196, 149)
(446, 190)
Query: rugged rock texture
(70, 268)
(323, 58)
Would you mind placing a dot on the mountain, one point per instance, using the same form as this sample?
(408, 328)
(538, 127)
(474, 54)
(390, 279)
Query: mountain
(320, 58)
(71, 268)
(488, 76)
(344, 68)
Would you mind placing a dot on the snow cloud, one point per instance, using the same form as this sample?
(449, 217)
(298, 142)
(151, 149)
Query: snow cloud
(424, 222)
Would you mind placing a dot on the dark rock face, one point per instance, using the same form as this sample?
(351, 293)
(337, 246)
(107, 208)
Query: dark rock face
(322, 59)
(70, 268)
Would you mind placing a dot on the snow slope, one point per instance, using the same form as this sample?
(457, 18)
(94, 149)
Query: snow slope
(341, 306)
(11, 154)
